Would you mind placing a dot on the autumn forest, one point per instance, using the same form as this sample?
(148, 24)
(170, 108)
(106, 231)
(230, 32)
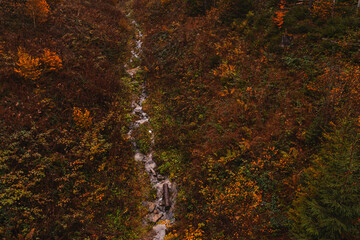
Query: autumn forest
(180, 119)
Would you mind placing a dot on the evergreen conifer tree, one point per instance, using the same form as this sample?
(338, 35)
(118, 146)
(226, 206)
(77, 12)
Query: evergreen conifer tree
(328, 206)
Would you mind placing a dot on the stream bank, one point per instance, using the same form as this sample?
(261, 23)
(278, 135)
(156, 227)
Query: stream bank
(160, 210)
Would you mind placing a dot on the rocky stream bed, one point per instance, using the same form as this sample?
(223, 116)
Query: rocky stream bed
(160, 211)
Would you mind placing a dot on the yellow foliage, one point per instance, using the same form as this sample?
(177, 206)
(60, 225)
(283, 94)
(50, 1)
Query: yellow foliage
(194, 234)
(339, 86)
(51, 60)
(236, 204)
(225, 70)
(82, 118)
(171, 236)
(27, 66)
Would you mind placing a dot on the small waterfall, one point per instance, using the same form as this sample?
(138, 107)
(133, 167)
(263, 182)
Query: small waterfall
(161, 210)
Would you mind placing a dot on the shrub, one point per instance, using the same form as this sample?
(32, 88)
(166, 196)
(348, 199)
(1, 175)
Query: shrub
(37, 9)
(82, 117)
(51, 60)
(322, 8)
(27, 66)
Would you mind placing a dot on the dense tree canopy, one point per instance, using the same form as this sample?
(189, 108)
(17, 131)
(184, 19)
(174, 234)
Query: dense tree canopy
(254, 108)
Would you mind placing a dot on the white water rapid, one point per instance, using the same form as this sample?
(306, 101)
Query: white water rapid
(161, 210)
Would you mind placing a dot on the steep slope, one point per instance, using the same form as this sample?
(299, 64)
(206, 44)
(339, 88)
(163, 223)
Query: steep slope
(241, 97)
(66, 163)
(161, 208)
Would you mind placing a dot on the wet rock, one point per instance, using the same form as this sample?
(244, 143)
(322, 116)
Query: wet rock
(139, 156)
(153, 179)
(160, 231)
(149, 156)
(154, 217)
(151, 206)
(152, 172)
(161, 208)
(150, 165)
(141, 121)
(160, 177)
(137, 109)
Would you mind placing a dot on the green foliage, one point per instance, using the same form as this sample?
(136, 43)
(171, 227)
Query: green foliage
(66, 167)
(23, 195)
(233, 9)
(229, 9)
(237, 116)
(170, 161)
(35, 179)
(120, 220)
(315, 131)
(328, 206)
(244, 112)
(143, 138)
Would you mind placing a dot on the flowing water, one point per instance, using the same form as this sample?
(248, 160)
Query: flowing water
(161, 210)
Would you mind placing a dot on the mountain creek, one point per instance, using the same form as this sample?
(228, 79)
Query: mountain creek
(161, 211)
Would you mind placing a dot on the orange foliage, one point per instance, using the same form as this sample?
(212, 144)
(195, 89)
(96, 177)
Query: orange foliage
(194, 234)
(37, 9)
(279, 15)
(31, 68)
(225, 70)
(276, 163)
(82, 118)
(322, 8)
(27, 66)
(238, 205)
(81, 190)
(339, 86)
(232, 51)
(51, 60)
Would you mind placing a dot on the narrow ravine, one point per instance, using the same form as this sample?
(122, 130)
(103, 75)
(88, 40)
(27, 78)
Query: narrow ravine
(161, 210)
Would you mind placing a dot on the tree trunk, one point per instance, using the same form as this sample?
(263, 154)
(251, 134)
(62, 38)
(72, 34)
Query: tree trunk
(166, 196)
(34, 19)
